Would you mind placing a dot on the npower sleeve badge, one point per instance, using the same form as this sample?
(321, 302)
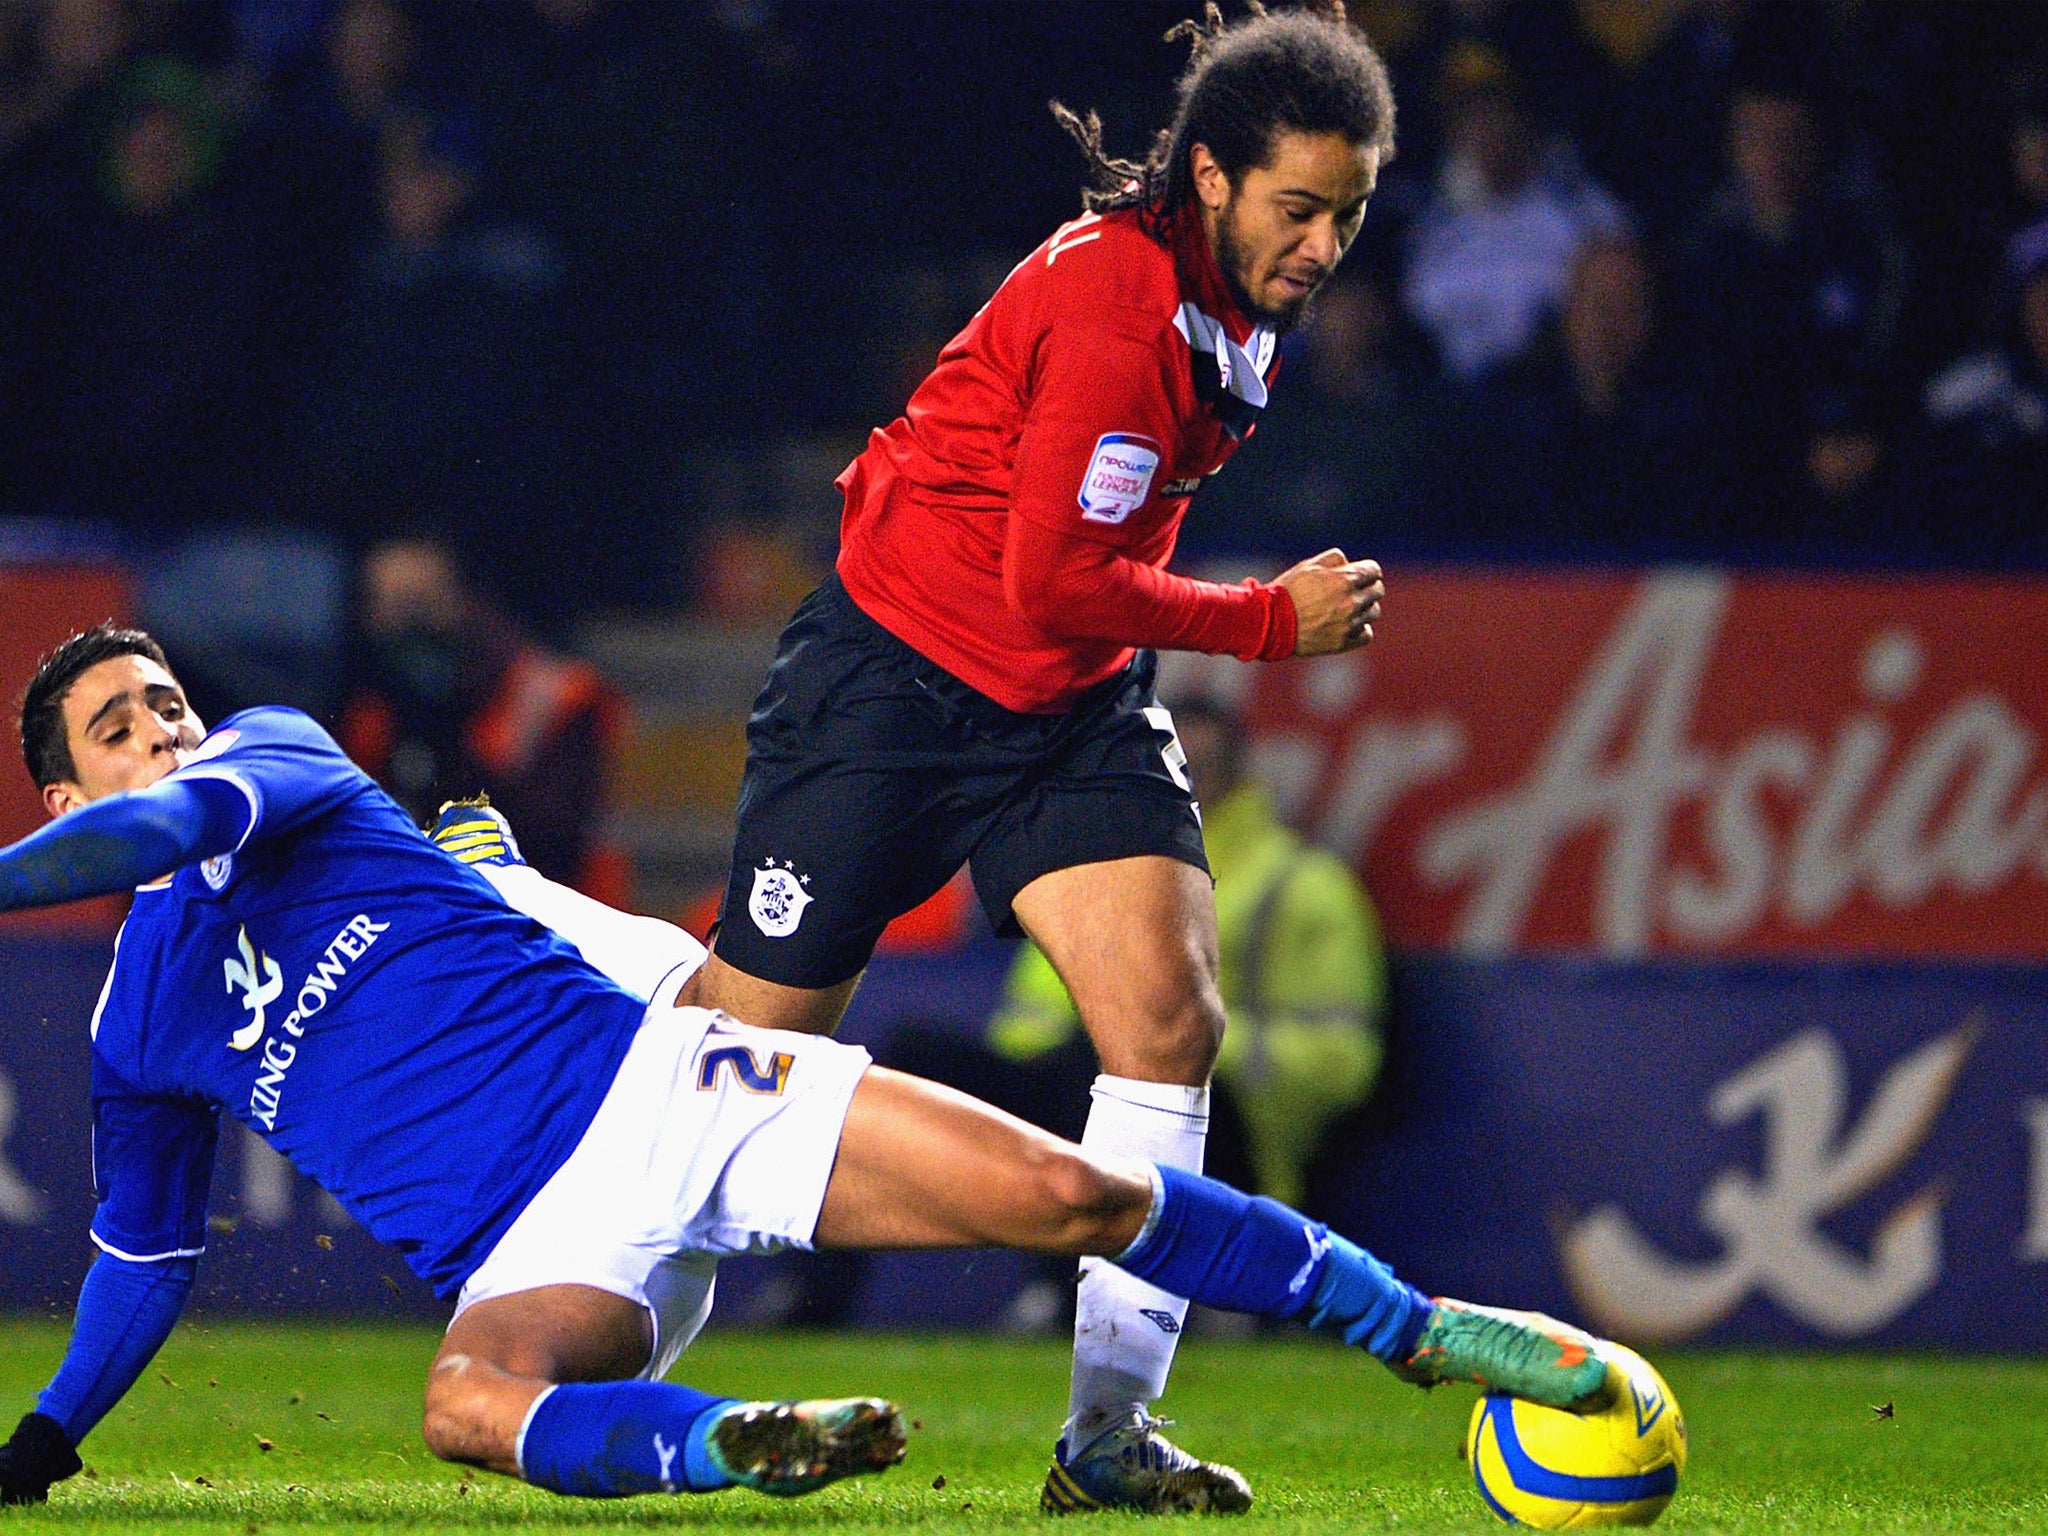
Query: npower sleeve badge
(1119, 476)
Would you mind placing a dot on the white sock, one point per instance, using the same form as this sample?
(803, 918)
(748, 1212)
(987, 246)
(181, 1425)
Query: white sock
(1125, 1330)
(636, 952)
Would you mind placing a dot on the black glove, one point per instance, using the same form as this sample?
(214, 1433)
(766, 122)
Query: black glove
(39, 1454)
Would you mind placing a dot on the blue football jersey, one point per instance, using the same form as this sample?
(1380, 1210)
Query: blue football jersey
(367, 1004)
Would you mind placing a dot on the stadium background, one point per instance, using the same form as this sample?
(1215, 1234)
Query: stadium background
(1697, 772)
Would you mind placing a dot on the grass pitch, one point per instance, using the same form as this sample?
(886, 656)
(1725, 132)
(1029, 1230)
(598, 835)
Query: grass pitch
(242, 1428)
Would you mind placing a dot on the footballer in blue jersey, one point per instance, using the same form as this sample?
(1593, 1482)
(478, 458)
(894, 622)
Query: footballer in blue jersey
(563, 1153)
(338, 984)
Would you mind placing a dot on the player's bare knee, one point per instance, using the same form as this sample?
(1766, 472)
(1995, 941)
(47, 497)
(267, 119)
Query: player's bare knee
(465, 1404)
(1198, 1038)
(1177, 1045)
(452, 1418)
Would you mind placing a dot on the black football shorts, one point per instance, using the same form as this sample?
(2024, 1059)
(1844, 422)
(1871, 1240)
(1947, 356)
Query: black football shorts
(873, 774)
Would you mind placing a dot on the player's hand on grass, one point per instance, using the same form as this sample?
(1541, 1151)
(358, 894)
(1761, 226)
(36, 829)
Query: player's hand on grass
(1336, 602)
(39, 1454)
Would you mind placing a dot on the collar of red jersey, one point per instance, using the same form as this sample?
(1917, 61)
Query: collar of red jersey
(1210, 321)
(1240, 369)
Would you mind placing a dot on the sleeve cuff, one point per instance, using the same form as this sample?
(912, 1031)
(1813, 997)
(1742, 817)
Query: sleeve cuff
(1282, 628)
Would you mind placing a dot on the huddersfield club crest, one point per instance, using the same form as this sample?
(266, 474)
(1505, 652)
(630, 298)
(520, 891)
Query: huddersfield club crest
(779, 899)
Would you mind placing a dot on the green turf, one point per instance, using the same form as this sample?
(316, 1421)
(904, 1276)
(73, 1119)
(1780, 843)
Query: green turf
(1330, 1441)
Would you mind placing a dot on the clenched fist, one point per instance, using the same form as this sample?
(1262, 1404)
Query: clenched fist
(1336, 602)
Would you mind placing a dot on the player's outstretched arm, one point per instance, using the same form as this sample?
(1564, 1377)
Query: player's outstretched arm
(123, 841)
(126, 1309)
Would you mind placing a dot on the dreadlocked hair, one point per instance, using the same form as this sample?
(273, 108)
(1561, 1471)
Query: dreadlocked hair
(1302, 71)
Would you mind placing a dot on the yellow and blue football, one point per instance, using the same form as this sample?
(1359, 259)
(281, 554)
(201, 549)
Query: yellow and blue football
(1560, 1471)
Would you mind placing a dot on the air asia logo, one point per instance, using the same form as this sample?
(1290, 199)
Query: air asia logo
(779, 899)
(261, 984)
(1695, 763)
(1814, 1165)
(1167, 1322)
(1119, 477)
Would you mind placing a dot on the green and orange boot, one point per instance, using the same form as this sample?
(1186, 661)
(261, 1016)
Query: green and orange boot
(1522, 1353)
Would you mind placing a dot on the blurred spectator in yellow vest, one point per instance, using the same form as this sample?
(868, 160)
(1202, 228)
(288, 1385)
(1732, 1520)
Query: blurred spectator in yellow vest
(1303, 971)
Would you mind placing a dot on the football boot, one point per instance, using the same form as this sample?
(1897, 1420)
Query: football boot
(1132, 1465)
(790, 1448)
(1524, 1354)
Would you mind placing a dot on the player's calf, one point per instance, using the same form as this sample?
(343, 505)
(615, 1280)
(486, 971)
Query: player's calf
(1207, 1241)
(495, 1399)
(607, 1440)
(612, 1439)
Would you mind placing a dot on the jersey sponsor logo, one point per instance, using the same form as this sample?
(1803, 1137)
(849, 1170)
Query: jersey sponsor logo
(217, 871)
(261, 984)
(779, 898)
(1119, 477)
(747, 1070)
(314, 994)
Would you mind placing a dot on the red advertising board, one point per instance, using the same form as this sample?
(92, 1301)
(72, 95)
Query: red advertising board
(39, 606)
(1681, 762)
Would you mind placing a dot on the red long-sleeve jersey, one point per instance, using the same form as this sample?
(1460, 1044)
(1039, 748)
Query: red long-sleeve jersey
(1015, 523)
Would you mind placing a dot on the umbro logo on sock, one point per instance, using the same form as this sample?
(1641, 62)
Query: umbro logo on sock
(667, 1453)
(1167, 1322)
(1318, 1246)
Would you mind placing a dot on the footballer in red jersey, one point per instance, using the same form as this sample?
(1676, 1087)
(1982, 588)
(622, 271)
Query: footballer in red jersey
(974, 685)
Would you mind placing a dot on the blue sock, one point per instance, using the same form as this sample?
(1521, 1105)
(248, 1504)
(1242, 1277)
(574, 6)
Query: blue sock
(126, 1310)
(1245, 1253)
(607, 1439)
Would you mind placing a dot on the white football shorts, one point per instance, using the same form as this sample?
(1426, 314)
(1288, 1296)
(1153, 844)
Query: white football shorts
(716, 1138)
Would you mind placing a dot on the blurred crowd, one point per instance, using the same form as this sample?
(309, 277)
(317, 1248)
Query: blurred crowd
(362, 266)
(1663, 280)
(601, 292)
